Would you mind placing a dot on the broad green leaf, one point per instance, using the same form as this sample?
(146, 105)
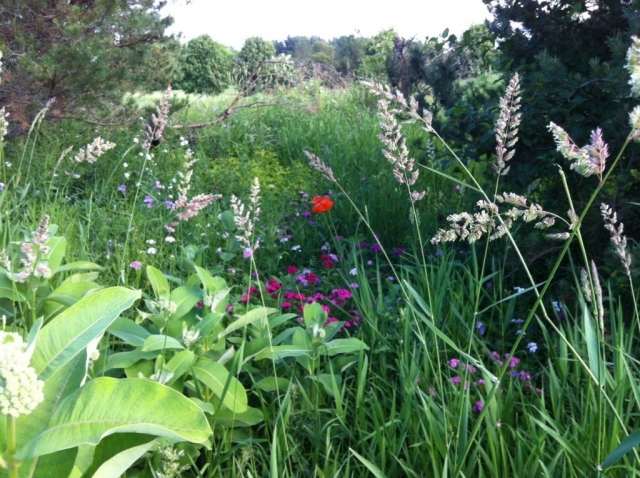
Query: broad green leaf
(185, 299)
(160, 342)
(116, 453)
(159, 283)
(208, 323)
(128, 331)
(215, 376)
(343, 346)
(55, 255)
(313, 314)
(226, 418)
(81, 277)
(105, 406)
(261, 313)
(271, 384)
(80, 266)
(211, 284)
(228, 221)
(71, 331)
(283, 351)
(127, 359)
(329, 382)
(56, 464)
(180, 364)
(8, 289)
(84, 458)
(281, 319)
(65, 296)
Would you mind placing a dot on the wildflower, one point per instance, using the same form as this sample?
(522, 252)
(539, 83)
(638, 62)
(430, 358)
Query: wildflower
(2, 186)
(453, 363)
(122, 188)
(20, 389)
(398, 251)
(152, 250)
(480, 327)
(148, 200)
(456, 380)
(170, 239)
(321, 204)
(478, 406)
(513, 361)
(292, 270)
(353, 272)
(296, 248)
(169, 204)
(375, 247)
(247, 253)
(532, 347)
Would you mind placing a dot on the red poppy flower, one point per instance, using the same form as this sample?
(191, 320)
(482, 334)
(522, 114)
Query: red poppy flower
(321, 204)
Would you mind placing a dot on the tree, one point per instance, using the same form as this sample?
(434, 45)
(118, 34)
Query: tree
(255, 51)
(205, 66)
(570, 56)
(83, 53)
(349, 52)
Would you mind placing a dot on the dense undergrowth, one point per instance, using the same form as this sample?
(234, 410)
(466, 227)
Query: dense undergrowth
(219, 303)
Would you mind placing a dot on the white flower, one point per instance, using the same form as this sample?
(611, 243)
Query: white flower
(151, 241)
(127, 175)
(353, 272)
(296, 248)
(20, 389)
(136, 140)
(170, 239)
(532, 347)
(152, 250)
(125, 165)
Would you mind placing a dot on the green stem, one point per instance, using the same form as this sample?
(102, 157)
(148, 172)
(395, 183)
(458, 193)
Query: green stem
(12, 466)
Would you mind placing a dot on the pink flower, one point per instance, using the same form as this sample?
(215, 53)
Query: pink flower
(453, 363)
(456, 380)
(136, 265)
(292, 270)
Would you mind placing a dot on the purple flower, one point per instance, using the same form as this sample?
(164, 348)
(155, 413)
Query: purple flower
(532, 347)
(478, 406)
(169, 204)
(136, 265)
(375, 247)
(122, 188)
(480, 327)
(398, 251)
(247, 253)
(456, 380)
(453, 363)
(148, 200)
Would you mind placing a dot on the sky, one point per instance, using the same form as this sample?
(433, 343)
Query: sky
(231, 22)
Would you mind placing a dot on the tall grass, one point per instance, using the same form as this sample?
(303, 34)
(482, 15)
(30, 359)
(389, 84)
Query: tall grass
(469, 372)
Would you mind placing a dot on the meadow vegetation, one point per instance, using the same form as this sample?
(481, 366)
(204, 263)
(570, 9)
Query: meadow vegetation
(325, 282)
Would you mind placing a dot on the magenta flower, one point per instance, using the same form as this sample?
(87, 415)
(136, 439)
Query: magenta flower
(478, 406)
(453, 363)
(136, 265)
